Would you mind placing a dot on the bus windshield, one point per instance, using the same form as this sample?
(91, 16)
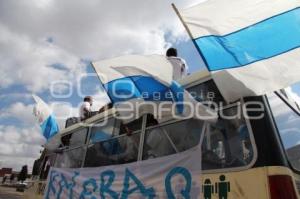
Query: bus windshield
(288, 125)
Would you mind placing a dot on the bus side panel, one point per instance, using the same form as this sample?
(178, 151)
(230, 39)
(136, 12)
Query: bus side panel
(251, 183)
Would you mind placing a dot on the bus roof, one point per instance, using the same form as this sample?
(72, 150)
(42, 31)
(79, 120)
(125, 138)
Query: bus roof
(195, 77)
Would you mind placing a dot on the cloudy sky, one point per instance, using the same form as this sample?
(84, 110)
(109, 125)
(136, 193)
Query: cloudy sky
(46, 47)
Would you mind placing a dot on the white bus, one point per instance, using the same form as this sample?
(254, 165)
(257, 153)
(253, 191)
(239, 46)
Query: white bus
(241, 157)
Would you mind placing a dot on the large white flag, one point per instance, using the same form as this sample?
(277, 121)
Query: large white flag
(145, 82)
(251, 47)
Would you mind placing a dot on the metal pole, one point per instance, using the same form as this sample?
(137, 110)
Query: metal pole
(142, 138)
(189, 33)
(101, 82)
(181, 20)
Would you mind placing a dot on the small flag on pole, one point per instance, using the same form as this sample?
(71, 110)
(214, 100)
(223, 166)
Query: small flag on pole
(251, 47)
(45, 118)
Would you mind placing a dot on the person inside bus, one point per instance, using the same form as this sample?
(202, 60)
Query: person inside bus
(65, 140)
(125, 148)
(131, 127)
(238, 140)
(85, 108)
(109, 150)
(105, 107)
(157, 143)
(101, 154)
(131, 149)
(246, 143)
(108, 145)
(180, 67)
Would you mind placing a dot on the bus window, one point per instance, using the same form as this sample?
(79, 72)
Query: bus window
(102, 131)
(288, 125)
(227, 142)
(114, 150)
(75, 139)
(290, 98)
(171, 138)
(73, 145)
(206, 91)
(70, 158)
(118, 150)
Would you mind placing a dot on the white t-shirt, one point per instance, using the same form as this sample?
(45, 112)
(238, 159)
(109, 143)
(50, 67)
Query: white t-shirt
(84, 106)
(180, 67)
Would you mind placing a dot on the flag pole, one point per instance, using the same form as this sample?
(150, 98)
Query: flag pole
(189, 33)
(198, 49)
(181, 20)
(101, 82)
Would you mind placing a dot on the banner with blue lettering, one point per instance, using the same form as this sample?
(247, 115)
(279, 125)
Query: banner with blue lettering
(174, 176)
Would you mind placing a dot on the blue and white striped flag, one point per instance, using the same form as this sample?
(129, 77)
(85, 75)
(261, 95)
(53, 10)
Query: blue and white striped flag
(251, 47)
(45, 118)
(138, 79)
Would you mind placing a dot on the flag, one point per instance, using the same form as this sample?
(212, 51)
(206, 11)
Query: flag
(140, 79)
(45, 118)
(251, 47)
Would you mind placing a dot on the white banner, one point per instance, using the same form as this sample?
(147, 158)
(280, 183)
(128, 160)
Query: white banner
(174, 176)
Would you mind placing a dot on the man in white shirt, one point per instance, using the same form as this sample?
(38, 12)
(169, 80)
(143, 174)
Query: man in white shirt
(85, 108)
(180, 67)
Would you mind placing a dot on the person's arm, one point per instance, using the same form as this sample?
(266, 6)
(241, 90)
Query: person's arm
(185, 70)
(86, 110)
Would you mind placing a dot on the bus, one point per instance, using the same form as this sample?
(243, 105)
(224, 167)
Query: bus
(257, 156)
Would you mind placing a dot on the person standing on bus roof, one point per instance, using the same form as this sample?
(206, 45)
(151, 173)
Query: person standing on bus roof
(180, 67)
(85, 108)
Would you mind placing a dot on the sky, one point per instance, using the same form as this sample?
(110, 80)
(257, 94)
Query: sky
(46, 47)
